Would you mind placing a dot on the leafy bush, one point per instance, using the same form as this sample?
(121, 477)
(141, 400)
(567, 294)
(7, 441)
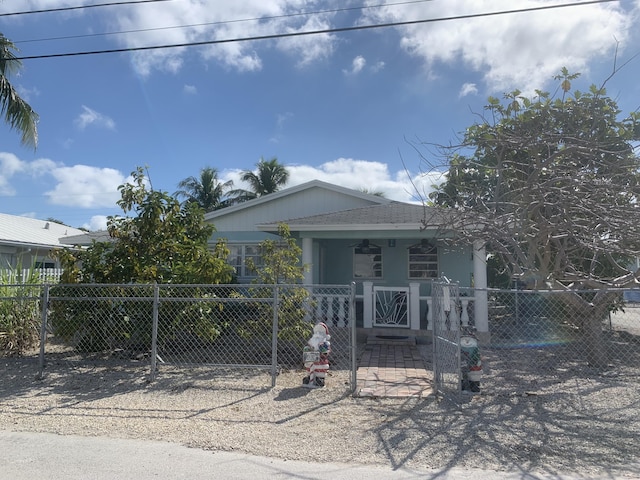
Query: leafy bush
(20, 317)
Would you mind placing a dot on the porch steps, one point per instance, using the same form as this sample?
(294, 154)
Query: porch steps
(381, 339)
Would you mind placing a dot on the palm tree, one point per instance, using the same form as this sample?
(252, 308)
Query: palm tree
(269, 177)
(17, 113)
(207, 191)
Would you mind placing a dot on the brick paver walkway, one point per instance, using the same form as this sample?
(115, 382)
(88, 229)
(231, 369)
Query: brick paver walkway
(392, 371)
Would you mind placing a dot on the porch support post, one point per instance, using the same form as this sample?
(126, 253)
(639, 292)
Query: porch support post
(307, 259)
(481, 305)
(414, 306)
(367, 304)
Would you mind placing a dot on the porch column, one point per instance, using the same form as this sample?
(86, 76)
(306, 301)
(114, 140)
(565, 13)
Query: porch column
(367, 304)
(481, 305)
(414, 306)
(307, 260)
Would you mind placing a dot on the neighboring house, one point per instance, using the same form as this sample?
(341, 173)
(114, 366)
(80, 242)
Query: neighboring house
(27, 242)
(349, 236)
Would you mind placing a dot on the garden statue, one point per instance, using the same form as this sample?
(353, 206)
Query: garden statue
(316, 357)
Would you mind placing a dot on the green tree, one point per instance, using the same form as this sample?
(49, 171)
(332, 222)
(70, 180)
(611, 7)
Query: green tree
(207, 191)
(164, 242)
(552, 184)
(268, 178)
(17, 113)
(281, 265)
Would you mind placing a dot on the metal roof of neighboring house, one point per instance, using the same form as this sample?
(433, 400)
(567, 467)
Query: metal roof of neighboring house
(16, 230)
(392, 216)
(87, 238)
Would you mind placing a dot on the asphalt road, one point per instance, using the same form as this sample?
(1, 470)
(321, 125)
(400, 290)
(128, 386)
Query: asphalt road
(27, 456)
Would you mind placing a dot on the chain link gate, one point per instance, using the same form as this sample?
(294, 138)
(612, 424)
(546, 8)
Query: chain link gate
(446, 340)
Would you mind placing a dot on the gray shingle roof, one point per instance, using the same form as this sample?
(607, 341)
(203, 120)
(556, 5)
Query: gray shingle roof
(394, 214)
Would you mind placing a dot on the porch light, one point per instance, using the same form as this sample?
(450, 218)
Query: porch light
(365, 246)
(424, 246)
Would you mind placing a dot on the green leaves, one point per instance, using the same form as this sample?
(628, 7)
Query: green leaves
(163, 242)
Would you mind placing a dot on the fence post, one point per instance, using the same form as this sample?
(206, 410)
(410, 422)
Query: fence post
(43, 328)
(354, 338)
(274, 336)
(154, 332)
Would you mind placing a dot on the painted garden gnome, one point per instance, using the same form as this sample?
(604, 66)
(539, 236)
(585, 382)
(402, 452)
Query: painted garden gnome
(316, 356)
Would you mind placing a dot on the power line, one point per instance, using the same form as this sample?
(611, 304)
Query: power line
(310, 32)
(63, 9)
(224, 22)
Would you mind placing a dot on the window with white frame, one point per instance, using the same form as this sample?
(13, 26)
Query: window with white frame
(367, 261)
(238, 256)
(423, 261)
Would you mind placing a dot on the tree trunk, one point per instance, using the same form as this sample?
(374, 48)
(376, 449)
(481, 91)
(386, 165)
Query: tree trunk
(587, 315)
(595, 348)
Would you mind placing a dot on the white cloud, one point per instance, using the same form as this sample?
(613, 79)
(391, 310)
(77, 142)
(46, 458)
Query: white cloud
(281, 120)
(366, 175)
(309, 48)
(80, 186)
(27, 94)
(357, 65)
(190, 90)
(97, 222)
(378, 66)
(219, 21)
(520, 50)
(89, 116)
(85, 186)
(468, 89)
(9, 166)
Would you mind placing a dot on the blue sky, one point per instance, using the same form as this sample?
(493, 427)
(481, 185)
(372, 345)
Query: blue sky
(347, 108)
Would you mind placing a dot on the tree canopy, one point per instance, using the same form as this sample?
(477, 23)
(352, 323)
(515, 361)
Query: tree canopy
(207, 190)
(164, 242)
(17, 113)
(551, 184)
(268, 178)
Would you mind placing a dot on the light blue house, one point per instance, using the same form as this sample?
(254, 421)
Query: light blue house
(391, 250)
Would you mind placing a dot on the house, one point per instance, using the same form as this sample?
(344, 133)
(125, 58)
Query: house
(27, 242)
(391, 250)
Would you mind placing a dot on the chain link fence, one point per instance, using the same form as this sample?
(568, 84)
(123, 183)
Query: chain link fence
(559, 341)
(446, 340)
(167, 327)
(20, 317)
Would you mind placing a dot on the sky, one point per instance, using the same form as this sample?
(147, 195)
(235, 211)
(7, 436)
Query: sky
(364, 109)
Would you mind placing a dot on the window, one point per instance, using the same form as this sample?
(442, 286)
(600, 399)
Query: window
(423, 261)
(367, 261)
(45, 264)
(239, 256)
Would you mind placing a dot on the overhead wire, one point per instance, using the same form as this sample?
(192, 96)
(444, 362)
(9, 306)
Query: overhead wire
(80, 7)
(310, 32)
(225, 22)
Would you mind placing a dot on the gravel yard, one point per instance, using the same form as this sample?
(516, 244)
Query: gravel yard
(589, 427)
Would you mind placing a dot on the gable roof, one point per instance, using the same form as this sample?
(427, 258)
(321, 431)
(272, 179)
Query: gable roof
(291, 191)
(391, 216)
(31, 232)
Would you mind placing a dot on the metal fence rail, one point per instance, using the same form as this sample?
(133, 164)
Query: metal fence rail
(183, 326)
(446, 341)
(555, 341)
